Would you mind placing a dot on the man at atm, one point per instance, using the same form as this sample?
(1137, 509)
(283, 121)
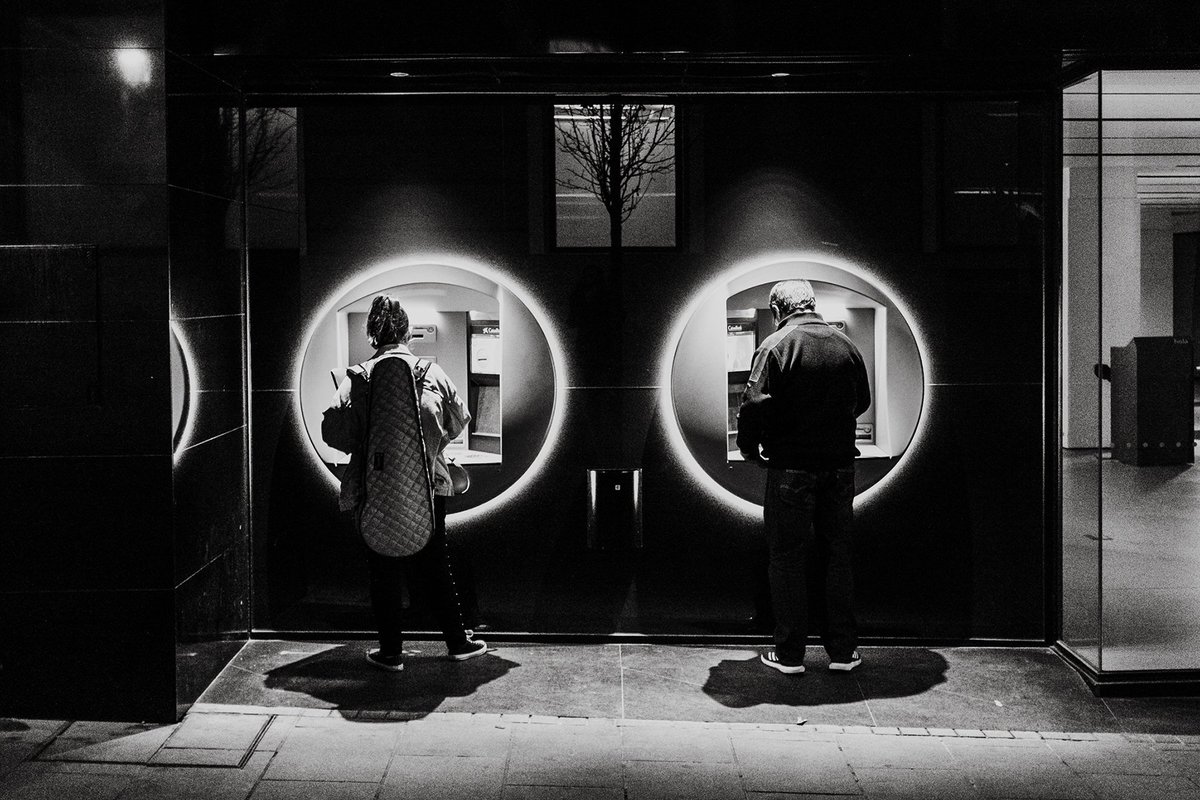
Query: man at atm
(807, 387)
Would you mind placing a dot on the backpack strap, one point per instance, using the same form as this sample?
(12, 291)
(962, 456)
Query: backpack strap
(422, 366)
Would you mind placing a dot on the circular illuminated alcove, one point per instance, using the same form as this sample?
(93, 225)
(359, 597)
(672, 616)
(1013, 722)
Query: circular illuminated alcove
(707, 364)
(484, 332)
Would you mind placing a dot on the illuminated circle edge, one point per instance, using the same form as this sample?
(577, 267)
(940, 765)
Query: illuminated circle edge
(720, 284)
(500, 278)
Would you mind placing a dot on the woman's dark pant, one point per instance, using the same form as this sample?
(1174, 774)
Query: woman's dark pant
(429, 569)
(809, 518)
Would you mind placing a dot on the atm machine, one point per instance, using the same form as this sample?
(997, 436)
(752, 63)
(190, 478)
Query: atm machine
(483, 384)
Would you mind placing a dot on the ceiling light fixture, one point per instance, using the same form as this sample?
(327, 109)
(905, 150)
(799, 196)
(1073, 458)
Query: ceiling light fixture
(400, 74)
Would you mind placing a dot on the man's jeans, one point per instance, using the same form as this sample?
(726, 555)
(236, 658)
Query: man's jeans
(809, 518)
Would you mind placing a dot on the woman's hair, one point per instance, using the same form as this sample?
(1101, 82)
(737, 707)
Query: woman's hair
(388, 322)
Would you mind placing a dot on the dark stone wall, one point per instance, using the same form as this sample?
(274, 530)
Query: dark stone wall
(86, 578)
(125, 566)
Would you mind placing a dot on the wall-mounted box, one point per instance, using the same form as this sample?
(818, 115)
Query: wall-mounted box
(614, 518)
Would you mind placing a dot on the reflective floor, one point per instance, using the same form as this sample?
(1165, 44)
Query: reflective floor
(1150, 563)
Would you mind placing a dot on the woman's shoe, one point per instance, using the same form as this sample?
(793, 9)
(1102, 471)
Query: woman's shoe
(469, 649)
(389, 663)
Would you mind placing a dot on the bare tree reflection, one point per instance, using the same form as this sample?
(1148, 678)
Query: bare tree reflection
(616, 149)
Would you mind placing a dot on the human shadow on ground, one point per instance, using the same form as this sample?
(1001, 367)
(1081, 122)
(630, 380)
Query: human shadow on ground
(343, 678)
(900, 672)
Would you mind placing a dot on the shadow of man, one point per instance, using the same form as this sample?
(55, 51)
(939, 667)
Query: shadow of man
(890, 672)
(341, 677)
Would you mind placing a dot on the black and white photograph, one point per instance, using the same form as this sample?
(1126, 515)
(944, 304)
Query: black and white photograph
(527, 400)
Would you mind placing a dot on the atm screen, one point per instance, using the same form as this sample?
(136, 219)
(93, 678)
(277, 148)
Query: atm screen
(740, 343)
(486, 411)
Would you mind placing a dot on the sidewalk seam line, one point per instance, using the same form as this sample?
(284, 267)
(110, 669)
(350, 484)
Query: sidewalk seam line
(621, 668)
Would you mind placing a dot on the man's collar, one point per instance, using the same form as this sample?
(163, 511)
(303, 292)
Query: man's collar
(800, 318)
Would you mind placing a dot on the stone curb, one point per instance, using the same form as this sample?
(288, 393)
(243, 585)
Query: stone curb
(799, 727)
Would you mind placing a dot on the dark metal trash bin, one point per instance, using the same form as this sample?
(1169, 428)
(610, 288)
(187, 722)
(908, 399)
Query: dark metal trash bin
(614, 518)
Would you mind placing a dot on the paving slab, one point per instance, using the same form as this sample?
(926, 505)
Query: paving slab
(905, 783)
(322, 754)
(37, 781)
(666, 742)
(133, 748)
(568, 757)
(443, 778)
(1143, 787)
(314, 790)
(197, 782)
(793, 765)
(676, 780)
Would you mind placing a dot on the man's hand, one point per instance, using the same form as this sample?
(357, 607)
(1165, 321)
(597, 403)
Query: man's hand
(755, 458)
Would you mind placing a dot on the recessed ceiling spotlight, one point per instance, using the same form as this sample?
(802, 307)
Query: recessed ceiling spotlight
(400, 74)
(780, 74)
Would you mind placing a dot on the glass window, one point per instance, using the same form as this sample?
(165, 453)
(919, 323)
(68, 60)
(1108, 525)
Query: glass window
(614, 175)
(1131, 490)
(1080, 383)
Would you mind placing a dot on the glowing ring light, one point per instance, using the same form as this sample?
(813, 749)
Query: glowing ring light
(185, 394)
(424, 267)
(764, 269)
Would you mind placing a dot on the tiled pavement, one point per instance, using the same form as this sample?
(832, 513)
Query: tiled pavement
(310, 720)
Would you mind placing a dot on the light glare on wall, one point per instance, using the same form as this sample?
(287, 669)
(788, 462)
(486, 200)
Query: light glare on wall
(134, 65)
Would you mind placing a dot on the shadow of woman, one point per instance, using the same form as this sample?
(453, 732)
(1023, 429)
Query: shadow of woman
(886, 672)
(342, 678)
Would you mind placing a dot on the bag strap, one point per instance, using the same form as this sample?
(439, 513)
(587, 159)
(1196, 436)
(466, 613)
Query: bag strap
(419, 371)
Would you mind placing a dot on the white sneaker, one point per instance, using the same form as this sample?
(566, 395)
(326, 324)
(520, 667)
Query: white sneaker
(389, 663)
(846, 666)
(771, 659)
(470, 649)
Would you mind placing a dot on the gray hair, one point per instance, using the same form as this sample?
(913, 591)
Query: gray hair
(792, 296)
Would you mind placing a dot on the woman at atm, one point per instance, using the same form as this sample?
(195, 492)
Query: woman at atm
(443, 415)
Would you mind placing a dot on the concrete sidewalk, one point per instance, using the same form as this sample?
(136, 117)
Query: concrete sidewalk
(309, 749)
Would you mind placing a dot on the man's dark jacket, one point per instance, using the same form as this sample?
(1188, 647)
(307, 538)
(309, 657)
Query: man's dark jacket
(807, 386)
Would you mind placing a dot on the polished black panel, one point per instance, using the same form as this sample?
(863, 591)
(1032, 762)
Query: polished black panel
(303, 548)
(964, 515)
(215, 413)
(212, 603)
(108, 391)
(72, 24)
(210, 502)
(273, 230)
(87, 116)
(107, 216)
(127, 672)
(204, 126)
(197, 664)
(133, 283)
(206, 255)
(98, 523)
(215, 344)
(274, 291)
(49, 283)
